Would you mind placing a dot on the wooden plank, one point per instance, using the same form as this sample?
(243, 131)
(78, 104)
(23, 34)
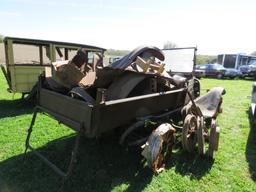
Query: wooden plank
(66, 54)
(41, 55)
(10, 52)
(52, 53)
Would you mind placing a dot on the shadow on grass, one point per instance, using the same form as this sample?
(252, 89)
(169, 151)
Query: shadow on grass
(11, 108)
(102, 165)
(190, 164)
(251, 146)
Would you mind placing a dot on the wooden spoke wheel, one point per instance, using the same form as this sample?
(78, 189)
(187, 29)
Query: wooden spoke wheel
(200, 136)
(164, 152)
(189, 133)
(214, 138)
(217, 137)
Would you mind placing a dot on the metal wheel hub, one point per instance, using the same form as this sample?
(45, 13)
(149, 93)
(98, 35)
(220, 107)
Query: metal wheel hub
(158, 146)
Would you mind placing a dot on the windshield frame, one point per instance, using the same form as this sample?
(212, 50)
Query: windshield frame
(194, 58)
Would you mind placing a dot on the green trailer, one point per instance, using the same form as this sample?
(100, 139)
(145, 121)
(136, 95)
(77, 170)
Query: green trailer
(27, 58)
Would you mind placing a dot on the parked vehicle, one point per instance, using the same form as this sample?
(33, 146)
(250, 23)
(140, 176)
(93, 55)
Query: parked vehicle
(248, 70)
(199, 73)
(232, 73)
(218, 71)
(234, 61)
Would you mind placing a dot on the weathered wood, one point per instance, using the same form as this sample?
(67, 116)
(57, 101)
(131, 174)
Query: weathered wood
(10, 57)
(41, 55)
(66, 54)
(52, 53)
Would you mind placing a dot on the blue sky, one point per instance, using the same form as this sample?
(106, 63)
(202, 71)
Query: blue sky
(213, 26)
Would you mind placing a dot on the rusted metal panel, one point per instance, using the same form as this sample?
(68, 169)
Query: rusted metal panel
(76, 110)
(113, 114)
(123, 85)
(131, 57)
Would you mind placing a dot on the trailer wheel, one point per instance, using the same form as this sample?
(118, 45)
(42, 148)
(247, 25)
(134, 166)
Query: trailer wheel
(130, 138)
(158, 147)
(212, 139)
(165, 151)
(189, 133)
(217, 136)
(200, 136)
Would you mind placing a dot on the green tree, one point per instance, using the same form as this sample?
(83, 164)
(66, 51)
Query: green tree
(1, 38)
(169, 45)
(202, 59)
(114, 52)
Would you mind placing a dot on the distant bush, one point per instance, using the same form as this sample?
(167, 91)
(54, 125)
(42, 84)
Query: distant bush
(169, 45)
(202, 59)
(1, 38)
(114, 52)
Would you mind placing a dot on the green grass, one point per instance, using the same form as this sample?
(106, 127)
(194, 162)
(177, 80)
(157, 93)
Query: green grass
(103, 165)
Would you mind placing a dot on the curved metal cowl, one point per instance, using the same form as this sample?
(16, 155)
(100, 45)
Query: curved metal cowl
(128, 59)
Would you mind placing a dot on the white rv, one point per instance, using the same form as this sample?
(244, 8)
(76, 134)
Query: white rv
(235, 60)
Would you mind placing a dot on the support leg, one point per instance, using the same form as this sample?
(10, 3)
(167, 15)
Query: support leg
(72, 162)
(74, 155)
(23, 96)
(64, 175)
(29, 132)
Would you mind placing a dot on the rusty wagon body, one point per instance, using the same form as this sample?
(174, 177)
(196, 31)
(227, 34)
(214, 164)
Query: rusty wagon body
(125, 95)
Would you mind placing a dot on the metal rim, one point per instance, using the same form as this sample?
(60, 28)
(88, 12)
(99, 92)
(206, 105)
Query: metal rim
(189, 133)
(200, 136)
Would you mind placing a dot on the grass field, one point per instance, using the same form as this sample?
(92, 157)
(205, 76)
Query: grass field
(103, 165)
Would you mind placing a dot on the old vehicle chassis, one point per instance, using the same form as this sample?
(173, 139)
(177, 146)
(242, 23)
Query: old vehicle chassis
(84, 119)
(127, 113)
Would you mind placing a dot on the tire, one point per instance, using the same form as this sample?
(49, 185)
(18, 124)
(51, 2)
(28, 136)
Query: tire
(189, 133)
(200, 136)
(212, 147)
(219, 76)
(217, 137)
